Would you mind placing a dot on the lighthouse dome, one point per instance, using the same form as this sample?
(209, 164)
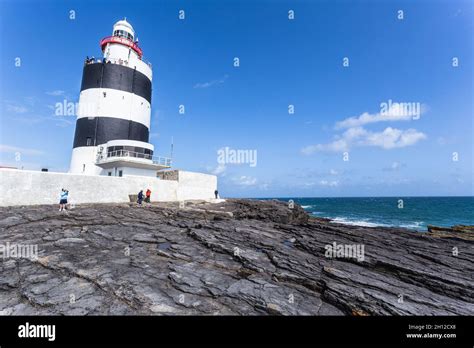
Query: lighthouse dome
(124, 29)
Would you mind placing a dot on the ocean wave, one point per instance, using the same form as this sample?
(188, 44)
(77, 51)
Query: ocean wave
(306, 206)
(362, 223)
(366, 223)
(415, 224)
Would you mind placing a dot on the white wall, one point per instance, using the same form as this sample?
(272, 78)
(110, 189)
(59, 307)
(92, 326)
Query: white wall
(196, 185)
(23, 187)
(130, 171)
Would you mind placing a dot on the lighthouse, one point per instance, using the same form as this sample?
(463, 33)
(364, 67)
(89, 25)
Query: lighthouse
(113, 116)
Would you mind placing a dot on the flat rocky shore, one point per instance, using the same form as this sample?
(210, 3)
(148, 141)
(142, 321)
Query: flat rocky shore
(238, 257)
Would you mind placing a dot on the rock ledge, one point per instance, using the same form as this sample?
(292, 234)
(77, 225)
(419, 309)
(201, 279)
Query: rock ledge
(239, 257)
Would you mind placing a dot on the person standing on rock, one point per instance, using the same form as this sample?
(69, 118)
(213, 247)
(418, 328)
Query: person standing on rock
(140, 197)
(216, 193)
(63, 199)
(147, 196)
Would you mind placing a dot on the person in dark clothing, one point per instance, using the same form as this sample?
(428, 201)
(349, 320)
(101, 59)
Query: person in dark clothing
(140, 197)
(216, 193)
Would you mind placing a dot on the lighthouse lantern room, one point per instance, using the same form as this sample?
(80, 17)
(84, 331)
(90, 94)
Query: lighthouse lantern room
(113, 118)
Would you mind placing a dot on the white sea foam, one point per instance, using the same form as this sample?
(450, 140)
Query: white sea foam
(415, 224)
(306, 206)
(363, 223)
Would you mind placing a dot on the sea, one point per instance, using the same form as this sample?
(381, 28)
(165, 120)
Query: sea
(409, 212)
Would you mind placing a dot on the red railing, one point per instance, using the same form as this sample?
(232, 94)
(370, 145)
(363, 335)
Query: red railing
(123, 41)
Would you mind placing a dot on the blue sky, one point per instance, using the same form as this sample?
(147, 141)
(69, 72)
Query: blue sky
(282, 62)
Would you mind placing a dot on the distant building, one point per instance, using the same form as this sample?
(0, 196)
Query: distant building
(113, 120)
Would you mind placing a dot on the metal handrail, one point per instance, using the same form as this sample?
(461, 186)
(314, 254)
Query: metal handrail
(164, 161)
(113, 61)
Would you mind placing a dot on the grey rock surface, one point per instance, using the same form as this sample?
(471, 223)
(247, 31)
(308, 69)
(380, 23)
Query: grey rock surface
(239, 257)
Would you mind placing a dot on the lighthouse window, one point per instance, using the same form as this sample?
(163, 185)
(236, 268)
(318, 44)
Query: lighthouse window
(88, 141)
(123, 33)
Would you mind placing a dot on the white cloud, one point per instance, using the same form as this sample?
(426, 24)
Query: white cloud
(394, 138)
(366, 118)
(62, 122)
(31, 100)
(211, 83)
(245, 181)
(395, 112)
(23, 151)
(389, 138)
(395, 166)
(220, 169)
(335, 146)
(333, 172)
(339, 145)
(19, 109)
(332, 183)
(457, 13)
(55, 93)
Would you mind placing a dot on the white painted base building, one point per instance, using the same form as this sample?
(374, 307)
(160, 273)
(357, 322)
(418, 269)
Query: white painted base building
(25, 187)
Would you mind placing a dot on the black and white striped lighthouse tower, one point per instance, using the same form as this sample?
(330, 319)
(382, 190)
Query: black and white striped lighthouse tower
(113, 121)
